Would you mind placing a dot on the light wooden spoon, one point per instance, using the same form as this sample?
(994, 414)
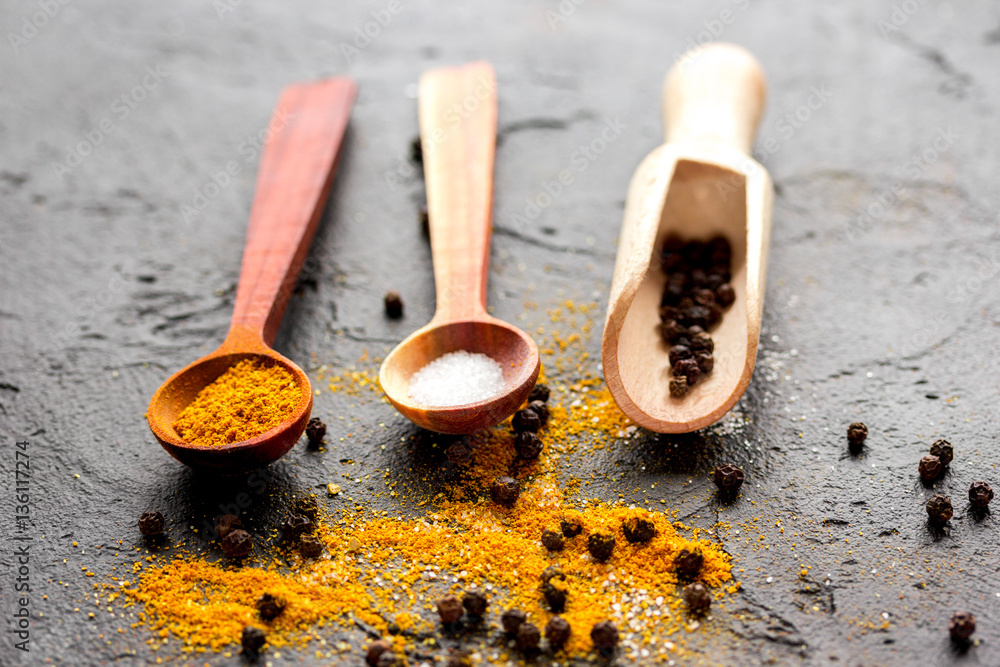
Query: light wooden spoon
(458, 129)
(699, 184)
(294, 178)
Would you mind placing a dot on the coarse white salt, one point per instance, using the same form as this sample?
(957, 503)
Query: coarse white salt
(457, 378)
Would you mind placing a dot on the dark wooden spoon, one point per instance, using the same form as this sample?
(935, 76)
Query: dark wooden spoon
(296, 170)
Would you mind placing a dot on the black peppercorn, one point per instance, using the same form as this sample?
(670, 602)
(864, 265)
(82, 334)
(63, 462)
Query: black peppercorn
(555, 597)
(315, 431)
(307, 507)
(671, 330)
(856, 435)
(528, 637)
(151, 524)
(678, 386)
(728, 478)
(449, 609)
(227, 524)
(557, 631)
(980, 494)
(605, 637)
(475, 603)
(269, 606)
(375, 651)
(962, 625)
(698, 599)
(425, 221)
(541, 409)
(552, 540)
(725, 295)
(390, 659)
(600, 545)
(237, 543)
(526, 420)
(702, 342)
(505, 491)
(310, 546)
(704, 296)
(706, 362)
(678, 352)
(638, 529)
(930, 468)
(512, 620)
(540, 392)
(252, 639)
(416, 151)
(295, 525)
(459, 453)
(688, 562)
(944, 451)
(939, 509)
(571, 526)
(393, 305)
(528, 445)
(552, 572)
(689, 369)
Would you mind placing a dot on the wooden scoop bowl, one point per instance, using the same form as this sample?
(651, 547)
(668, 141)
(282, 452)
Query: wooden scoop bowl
(700, 184)
(458, 130)
(296, 171)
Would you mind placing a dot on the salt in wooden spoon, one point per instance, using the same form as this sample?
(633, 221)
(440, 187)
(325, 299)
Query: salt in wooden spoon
(296, 170)
(700, 184)
(458, 129)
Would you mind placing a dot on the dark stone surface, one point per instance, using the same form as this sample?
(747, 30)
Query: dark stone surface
(107, 287)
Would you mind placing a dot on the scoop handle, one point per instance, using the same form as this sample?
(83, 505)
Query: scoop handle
(714, 93)
(300, 156)
(458, 134)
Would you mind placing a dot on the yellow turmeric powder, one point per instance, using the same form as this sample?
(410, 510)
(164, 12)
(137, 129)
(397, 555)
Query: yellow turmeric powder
(251, 397)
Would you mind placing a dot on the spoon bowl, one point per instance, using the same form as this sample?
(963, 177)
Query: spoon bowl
(507, 345)
(296, 171)
(458, 128)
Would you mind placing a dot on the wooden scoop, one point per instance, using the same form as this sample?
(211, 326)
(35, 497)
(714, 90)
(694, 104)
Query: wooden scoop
(698, 185)
(458, 130)
(293, 181)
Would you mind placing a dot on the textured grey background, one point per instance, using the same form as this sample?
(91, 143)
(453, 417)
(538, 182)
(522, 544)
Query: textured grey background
(107, 287)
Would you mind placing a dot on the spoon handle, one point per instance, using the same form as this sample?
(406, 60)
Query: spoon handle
(296, 170)
(458, 131)
(714, 93)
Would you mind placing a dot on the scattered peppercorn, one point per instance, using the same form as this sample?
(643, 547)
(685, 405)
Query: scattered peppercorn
(252, 639)
(678, 386)
(375, 650)
(528, 637)
(728, 478)
(557, 631)
(459, 453)
(939, 508)
(541, 409)
(390, 659)
(943, 450)
(526, 420)
(570, 526)
(698, 599)
(539, 392)
(227, 524)
(962, 625)
(393, 305)
(295, 525)
(638, 529)
(310, 546)
(555, 597)
(307, 507)
(600, 545)
(552, 540)
(315, 431)
(151, 523)
(449, 609)
(688, 562)
(605, 637)
(857, 433)
(237, 543)
(512, 620)
(270, 607)
(528, 445)
(930, 468)
(980, 494)
(725, 295)
(505, 491)
(475, 603)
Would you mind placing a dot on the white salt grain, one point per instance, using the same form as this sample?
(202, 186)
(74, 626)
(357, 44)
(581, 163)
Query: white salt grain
(457, 378)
